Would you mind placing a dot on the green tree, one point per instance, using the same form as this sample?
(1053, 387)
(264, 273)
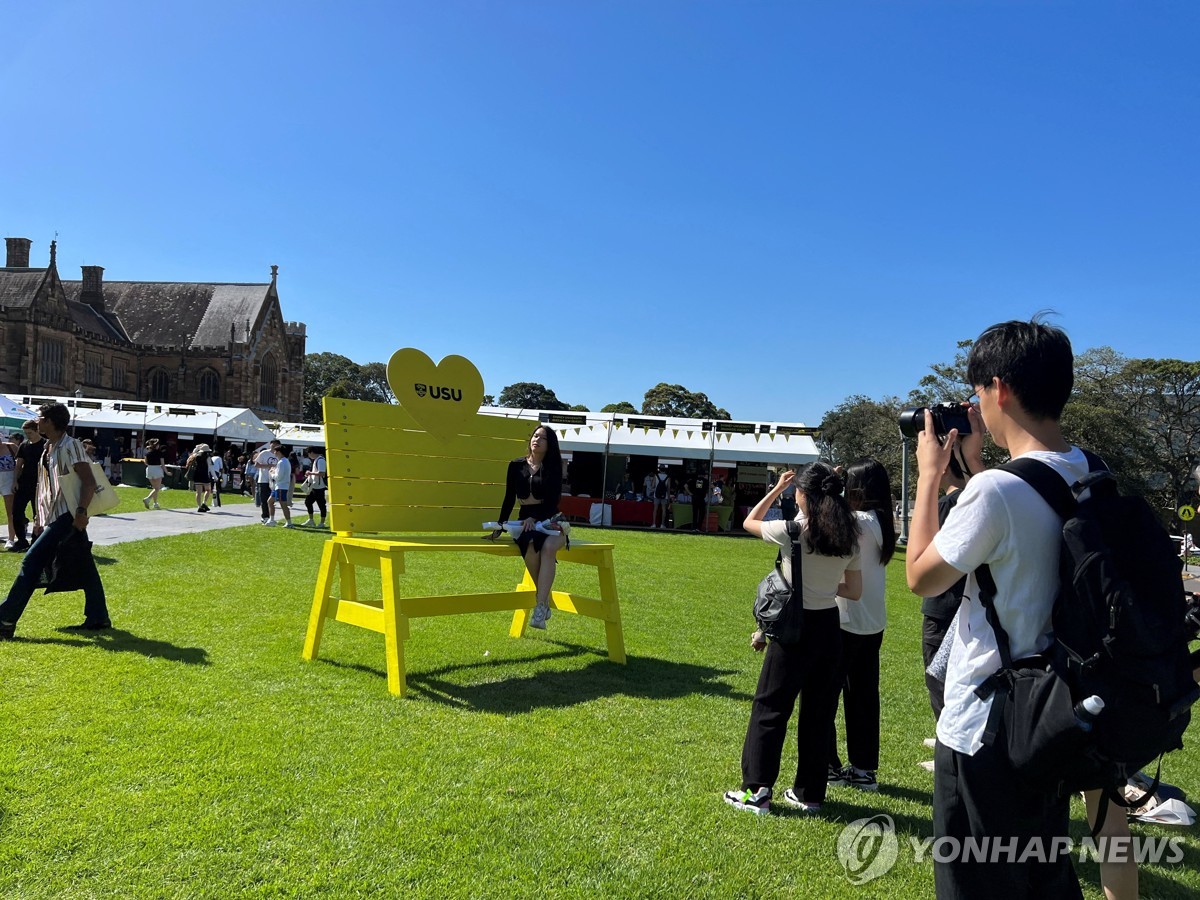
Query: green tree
(530, 395)
(579, 407)
(334, 375)
(375, 381)
(860, 427)
(675, 400)
(623, 407)
(945, 381)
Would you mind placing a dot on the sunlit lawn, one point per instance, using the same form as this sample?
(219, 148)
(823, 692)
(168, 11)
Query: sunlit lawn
(191, 753)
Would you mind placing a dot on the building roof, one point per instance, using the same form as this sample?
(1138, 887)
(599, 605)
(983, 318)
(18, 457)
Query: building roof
(95, 323)
(18, 287)
(180, 314)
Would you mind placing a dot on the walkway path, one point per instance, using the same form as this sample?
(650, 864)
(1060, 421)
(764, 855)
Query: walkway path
(118, 529)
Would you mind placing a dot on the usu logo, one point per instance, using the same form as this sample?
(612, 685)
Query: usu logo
(438, 393)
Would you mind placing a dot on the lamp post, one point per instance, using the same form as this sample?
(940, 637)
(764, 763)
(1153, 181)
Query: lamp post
(75, 411)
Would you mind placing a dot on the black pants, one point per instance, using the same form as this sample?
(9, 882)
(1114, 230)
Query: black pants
(807, 670)
(317, 496)
(860, 701)
(264, 499)
(980, 796)
(933, 632)
(23, 497)
(698, 511)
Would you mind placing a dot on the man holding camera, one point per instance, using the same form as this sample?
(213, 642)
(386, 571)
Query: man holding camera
(1022, 373)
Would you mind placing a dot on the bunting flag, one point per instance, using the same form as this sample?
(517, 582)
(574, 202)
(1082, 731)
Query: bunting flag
(563, 432)
(661, 432)
(674, 432)
(757, 438)
(577, 431)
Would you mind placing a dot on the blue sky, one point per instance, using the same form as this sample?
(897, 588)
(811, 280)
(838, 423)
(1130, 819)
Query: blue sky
(780, 204)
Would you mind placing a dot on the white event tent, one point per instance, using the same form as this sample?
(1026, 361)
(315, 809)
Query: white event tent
(240, 425)
(781, 443)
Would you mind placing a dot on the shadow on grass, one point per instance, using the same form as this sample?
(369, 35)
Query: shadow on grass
(120, 641)
(643, 677)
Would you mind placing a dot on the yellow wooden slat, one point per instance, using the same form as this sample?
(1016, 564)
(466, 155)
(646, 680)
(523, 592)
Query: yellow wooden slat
(419, 468)
(367, 614)
(421, 443)
(384, 492)
(384, 415)
(405, 518)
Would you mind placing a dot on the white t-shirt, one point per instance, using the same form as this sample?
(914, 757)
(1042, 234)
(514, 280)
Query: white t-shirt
(1002, 521)
(264, 462)
(821, 574)
(316, 474)
(281, 475)
(216, 466)
(867, 615)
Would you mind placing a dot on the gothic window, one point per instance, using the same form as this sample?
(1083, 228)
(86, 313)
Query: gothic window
(118, 374)
(210, 386)
(50, 357)
(93, 368)
(267, 382)
(160, 384)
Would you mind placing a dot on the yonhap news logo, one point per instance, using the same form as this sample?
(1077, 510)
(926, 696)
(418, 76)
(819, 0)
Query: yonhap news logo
(867, 848)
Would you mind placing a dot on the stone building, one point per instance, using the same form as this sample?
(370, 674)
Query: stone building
(178, 342)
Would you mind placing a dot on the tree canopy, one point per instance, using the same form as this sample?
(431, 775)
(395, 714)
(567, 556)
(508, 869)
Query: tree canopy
(675, 400)
(530, 395)
(334, 375)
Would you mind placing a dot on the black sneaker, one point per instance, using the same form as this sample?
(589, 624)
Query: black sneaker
(90, 626)
(18, 547)
(836, 777)
(757, 802)
(863, 779)
(7, 630)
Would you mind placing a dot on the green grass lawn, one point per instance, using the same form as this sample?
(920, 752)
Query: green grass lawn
(191, 753)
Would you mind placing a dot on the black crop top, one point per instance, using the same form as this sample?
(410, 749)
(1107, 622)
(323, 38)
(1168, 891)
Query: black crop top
(543, 485)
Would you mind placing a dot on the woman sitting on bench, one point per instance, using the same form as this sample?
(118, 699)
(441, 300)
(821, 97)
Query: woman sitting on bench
(536, 481)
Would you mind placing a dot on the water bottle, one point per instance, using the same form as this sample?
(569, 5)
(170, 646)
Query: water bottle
(1086, 711)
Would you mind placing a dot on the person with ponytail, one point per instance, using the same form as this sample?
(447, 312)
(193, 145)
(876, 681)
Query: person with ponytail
(869, 495)
(809, 669)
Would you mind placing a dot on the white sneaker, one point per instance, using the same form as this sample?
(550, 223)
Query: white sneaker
(308, 523)
(538, 619)
(288, 525)
(926, 764)
(931, 743)
(268, 522)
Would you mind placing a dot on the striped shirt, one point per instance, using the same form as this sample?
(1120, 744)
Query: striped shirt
(65, 454)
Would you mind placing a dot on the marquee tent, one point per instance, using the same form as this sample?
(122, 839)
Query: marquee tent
(233, 424)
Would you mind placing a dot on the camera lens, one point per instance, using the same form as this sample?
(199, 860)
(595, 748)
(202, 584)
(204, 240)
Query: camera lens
(912, 421)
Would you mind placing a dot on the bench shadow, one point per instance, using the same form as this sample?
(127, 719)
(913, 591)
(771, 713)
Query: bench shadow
(641, 677)
(118, 640)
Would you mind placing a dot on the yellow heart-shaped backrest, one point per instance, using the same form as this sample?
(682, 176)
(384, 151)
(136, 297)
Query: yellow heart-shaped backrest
(440, 396)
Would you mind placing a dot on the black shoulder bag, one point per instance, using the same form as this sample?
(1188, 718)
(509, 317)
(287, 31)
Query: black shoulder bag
(778, 608)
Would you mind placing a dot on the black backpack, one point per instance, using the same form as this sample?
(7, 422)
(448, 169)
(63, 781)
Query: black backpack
(779, 606)
(660, 489)
(1119, 634)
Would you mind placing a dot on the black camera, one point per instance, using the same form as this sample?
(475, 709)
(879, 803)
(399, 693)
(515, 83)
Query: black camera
(945, 417)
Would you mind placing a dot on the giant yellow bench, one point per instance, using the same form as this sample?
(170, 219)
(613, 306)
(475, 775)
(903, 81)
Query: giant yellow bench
(430, 465)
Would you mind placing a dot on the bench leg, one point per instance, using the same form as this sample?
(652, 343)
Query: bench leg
(323, 603)
(612, 611)
(522, 616)
(395, 625)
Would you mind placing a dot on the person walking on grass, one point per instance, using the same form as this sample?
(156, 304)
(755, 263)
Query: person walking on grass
(809, 669)
(315, 479)
(154, 472)
(216, 469)
(264, 462)
(55, 522)
(29, 456)
(281, 492)
(198, 471)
